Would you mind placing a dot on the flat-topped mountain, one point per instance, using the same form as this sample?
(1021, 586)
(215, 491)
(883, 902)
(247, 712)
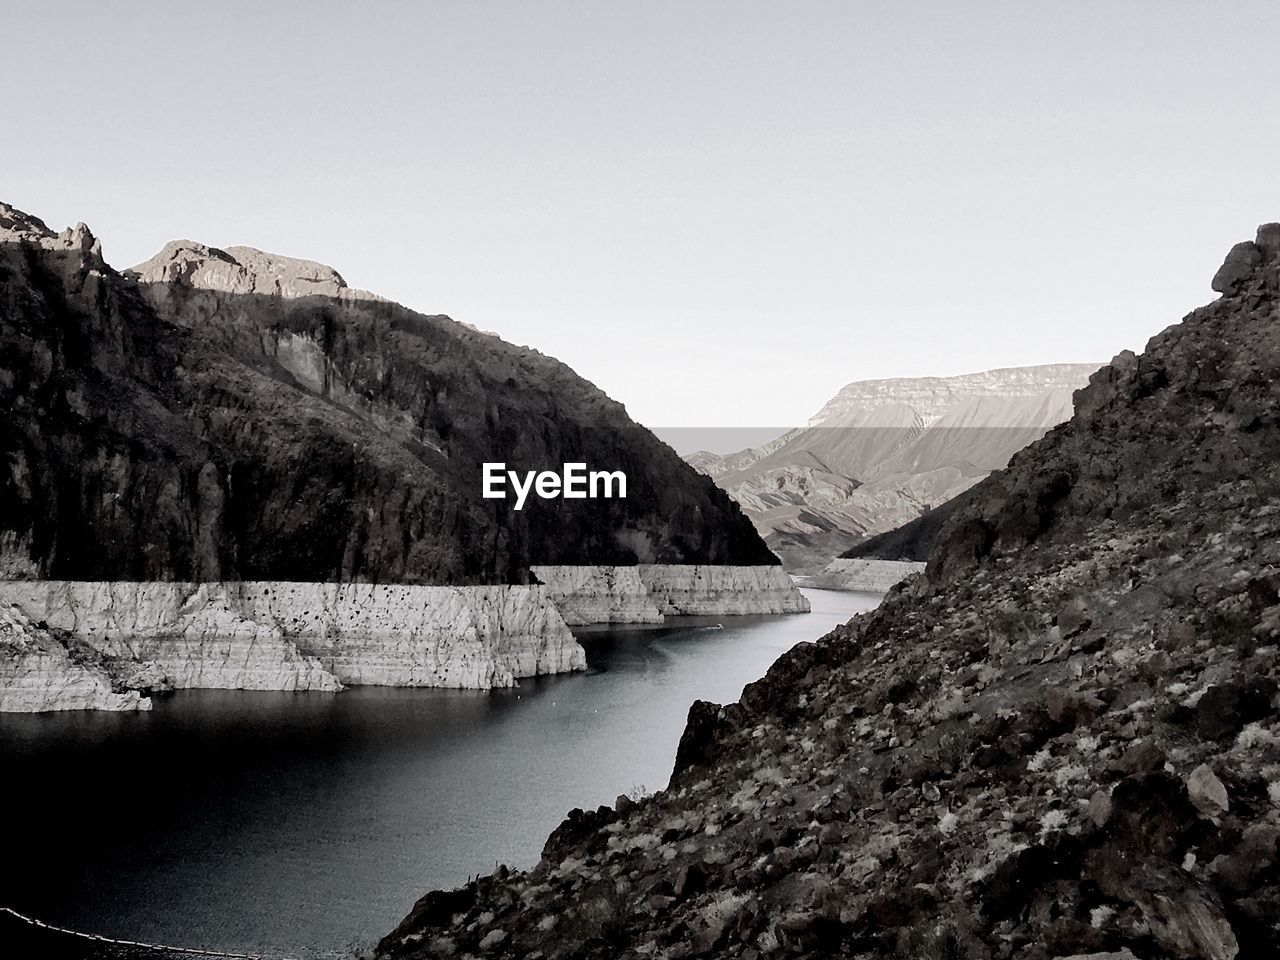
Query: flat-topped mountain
(236, 415)
(1061, 741)
(882, 452)
(932, 398)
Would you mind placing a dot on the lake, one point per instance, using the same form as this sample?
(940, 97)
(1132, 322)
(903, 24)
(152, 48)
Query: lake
(307, 824)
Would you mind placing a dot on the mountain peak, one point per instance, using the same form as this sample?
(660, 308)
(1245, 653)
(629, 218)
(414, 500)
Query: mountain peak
(17, 226)
(242, 269)
(1245, 258)
(931, 396)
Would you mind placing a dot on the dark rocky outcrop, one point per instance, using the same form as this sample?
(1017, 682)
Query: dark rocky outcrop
(1063, 741)
(234, 415)
(912, 541)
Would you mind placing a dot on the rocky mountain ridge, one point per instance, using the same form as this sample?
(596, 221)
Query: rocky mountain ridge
(933, 398)
(1061, 741)
(882, 452)
(225, 415)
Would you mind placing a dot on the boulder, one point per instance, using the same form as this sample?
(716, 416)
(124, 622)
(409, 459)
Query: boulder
(1225, 708)
(1241, 263)
(1207, 792)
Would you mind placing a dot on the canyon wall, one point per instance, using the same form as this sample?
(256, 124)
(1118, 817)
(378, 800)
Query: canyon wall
(1062, 740)
(171, 635)
(590, 595)
(649, 593)
(106, 645)
(268, 635)
(882, 452)
(702, 590)
(864, 576)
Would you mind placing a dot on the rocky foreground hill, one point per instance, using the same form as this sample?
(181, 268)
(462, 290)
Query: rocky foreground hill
(1063, 740)
(882, 452)
(230, 415)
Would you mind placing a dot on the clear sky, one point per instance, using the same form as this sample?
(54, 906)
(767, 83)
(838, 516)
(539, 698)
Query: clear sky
(719, 212)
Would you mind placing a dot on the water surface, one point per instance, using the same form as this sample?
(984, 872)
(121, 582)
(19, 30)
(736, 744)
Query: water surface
(308, 823)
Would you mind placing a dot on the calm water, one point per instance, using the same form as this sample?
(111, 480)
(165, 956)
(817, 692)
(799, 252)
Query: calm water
(309, 823)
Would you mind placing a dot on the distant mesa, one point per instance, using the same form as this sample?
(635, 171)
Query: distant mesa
(229, 414)
(227, 468)
(882, 453)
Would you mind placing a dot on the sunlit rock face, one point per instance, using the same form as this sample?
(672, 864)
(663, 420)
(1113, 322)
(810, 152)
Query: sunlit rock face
(40, 672)
(649, 593)
(594, 595)
(702, 590)
(271, 635)
(284, 635)
(190, 635)
(871, 576)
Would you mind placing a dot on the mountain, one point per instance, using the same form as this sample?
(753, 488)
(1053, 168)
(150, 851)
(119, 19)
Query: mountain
(235, 415)
(911, 541)
(1061, 741)
(882, 452)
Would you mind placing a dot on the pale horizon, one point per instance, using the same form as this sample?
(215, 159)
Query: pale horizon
(718, 214)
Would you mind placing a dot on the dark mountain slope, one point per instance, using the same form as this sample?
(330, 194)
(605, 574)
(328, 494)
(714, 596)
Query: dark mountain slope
(236, 416)
(1063, 740)
(911, 541)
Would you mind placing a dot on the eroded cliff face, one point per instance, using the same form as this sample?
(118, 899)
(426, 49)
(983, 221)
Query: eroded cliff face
(591, 595)
(230, 415)
(176, 635)
(1062, 741)
(872, 576)
(281, 635)
(882, 452)
(271, 635)
(40, 672)
(408, 636)
(649, 593)
(701, 590)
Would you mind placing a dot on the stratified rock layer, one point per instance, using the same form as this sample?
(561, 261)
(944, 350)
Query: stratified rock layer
(40, 672)
(191, 635)
(280, 635)
(873, 576)
(227, 415)
(271, 635)
(700, 590)
(591, 595)
(649, 593)
(882, 452)
(1062, 741)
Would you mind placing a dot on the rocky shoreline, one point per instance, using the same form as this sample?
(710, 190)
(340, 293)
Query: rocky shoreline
(108, 645)
(864, 576)
(40, 672)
